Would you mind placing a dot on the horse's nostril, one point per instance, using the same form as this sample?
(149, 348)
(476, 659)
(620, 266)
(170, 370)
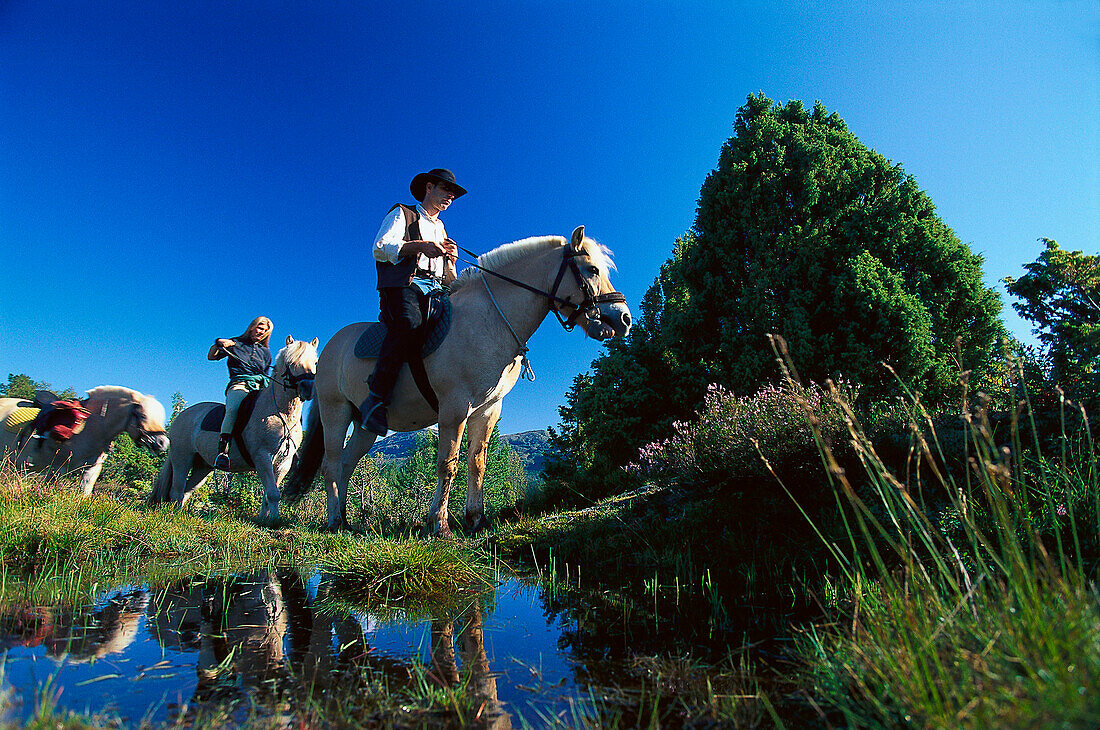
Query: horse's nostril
(626, 319)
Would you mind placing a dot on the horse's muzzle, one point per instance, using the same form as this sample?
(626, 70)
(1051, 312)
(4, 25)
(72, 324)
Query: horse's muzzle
(305, 388)
(613, 321)
(155, 442)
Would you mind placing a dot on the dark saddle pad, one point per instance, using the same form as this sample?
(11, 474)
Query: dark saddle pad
(438, 325)
(213, 419)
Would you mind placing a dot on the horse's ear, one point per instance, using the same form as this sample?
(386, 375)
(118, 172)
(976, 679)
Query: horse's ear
(577, 238)
(289, 339)
(313, 342)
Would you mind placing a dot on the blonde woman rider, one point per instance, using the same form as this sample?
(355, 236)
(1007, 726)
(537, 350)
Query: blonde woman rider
(249, 361)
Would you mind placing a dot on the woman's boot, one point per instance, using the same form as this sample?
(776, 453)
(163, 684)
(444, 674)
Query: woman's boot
(221, 461)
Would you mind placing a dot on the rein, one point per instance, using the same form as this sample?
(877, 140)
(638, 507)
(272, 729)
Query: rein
(289, 382)
(588, 305)
(527, 373)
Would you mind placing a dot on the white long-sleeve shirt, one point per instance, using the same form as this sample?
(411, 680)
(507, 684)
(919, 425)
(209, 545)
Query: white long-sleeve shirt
(391, 237)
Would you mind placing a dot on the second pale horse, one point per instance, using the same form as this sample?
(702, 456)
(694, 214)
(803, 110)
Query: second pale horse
(271, 435)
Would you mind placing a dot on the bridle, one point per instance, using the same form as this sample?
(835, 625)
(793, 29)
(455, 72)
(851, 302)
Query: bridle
(146, 438)
(290, 381)
(589, 305)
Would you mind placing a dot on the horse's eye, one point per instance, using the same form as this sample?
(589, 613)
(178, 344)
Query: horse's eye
(594, 270)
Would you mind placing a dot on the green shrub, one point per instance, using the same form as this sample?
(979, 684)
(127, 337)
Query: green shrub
(744, 443)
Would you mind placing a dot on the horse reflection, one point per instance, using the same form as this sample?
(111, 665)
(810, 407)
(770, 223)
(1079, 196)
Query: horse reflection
(265, 641)
(83, 635)
(259, 639)
(475, 661)
(237, 625)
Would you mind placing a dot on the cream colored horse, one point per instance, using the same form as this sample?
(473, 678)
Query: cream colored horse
(114, 410)
(471, 371)
(271, 435)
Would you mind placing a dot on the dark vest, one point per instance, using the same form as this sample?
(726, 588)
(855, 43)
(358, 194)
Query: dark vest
(401, 273)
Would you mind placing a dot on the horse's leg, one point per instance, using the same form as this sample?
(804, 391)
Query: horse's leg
(200, 470)
(265, 470)
(450, 438)
(91, 473)
(336, 495)
(481, 428)
(280, 474)
(181, 471)
(356, 448)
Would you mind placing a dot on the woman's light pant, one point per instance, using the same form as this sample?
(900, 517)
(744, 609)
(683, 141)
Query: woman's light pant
(233, 398)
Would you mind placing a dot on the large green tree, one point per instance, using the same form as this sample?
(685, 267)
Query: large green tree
(801, 231)
(1060, 294)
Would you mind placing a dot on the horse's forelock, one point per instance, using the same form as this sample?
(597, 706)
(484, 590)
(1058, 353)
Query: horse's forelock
(298, 353)
(599, 253)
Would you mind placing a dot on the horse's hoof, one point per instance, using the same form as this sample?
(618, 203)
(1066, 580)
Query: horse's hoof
(440, 530)
(476, 524)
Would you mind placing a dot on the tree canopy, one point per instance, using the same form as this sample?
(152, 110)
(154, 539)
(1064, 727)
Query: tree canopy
(20, 385)
(1060, 294)
(801, 231)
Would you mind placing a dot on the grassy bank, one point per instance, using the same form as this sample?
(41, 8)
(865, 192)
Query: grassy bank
(956, 588)
(59, 545)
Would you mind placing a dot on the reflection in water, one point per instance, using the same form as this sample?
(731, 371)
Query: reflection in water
(483, 683)
(77, 636)
(237, 626)
(262, 642)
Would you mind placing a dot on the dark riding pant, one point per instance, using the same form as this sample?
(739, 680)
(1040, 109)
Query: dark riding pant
(404, 310)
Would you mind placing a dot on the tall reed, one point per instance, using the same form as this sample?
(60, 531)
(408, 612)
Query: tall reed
(975, 606)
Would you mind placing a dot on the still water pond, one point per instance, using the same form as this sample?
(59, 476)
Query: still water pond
(155, 655)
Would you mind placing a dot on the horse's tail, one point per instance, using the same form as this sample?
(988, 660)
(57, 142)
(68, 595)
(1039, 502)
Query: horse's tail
(162, 487)
(308, 459)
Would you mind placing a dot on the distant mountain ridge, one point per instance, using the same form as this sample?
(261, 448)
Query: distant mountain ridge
(530, 446)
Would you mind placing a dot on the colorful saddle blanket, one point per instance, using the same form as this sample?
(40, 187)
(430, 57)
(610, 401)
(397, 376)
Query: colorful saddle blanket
(439, 324)
(19, 418)
(61, 419)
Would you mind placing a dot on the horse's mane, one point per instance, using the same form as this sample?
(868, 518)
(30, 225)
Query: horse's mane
(154, 411)
(509, 252)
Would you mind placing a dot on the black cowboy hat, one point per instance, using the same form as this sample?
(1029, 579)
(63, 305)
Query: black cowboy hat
(418, 186)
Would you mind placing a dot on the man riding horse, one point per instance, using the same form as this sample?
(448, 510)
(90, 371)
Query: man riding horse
(414, 258)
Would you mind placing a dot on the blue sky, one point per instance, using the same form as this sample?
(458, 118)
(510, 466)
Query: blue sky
(170, 170)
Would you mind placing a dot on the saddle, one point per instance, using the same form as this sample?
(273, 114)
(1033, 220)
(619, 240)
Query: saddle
(437, 323)
(47, 417)
(435, 328)
(212, 421)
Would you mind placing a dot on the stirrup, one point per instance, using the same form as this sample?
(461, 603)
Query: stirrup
(221, 461)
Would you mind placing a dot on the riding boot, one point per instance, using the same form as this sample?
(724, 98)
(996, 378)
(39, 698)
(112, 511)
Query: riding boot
(221, 461)
(401, 311)
(373, 415)
(372, 411)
